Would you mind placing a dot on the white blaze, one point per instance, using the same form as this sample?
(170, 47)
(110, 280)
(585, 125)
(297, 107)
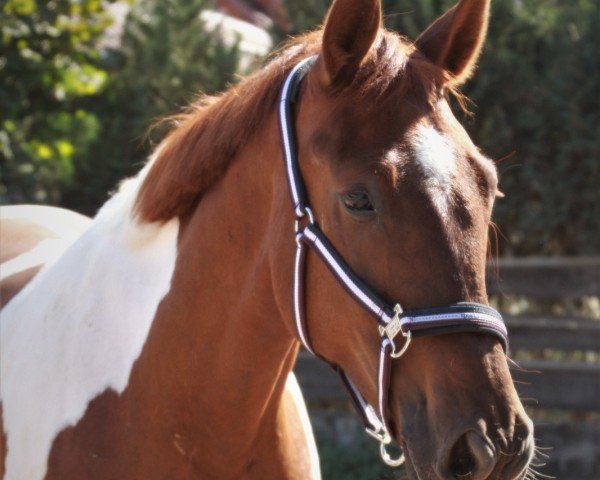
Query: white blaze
(436, 157)
(78, 327)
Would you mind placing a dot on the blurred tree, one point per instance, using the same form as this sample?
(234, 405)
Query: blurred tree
(537, 94)
(165, 58)
(405, 16)
(48, 63)
(262, 13)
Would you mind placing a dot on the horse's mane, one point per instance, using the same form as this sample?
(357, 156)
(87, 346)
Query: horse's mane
(208, 135)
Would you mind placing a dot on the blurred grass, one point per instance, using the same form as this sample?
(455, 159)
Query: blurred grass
(357, 461)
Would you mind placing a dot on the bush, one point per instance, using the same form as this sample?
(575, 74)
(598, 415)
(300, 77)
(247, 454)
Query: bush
(74, 117)
(165, 59)
(49, 63)
(537, 95)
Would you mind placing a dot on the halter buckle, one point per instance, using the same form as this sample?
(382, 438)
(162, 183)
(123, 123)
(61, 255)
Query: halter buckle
(394, 327)
(306, 211)
(391, 331)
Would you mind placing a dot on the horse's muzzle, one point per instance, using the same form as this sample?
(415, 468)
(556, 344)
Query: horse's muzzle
(475, 456)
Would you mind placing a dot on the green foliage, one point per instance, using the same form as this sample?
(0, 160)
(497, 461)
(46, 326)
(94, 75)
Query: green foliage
(48, 63)
(537, 95)
(358, 461)
(536, 100)
(306, 15)
(405, 16)
(73, 116)
(165, 58)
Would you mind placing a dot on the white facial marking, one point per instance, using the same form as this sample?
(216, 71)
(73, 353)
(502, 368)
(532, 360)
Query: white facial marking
(293, 388)
(436, 156)
(78, 327)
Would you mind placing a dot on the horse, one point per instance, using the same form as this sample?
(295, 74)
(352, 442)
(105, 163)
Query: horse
(33, 236)
(159, 344)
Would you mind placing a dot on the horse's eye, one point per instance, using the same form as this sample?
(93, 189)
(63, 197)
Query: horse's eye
(358, 201)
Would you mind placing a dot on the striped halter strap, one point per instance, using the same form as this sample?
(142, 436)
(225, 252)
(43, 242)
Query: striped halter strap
(393, 321)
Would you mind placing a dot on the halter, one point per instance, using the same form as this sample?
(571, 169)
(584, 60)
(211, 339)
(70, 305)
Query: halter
(393, 322)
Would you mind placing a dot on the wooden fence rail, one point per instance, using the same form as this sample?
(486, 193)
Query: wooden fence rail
(560, 333)
(557, 384)
(545, 278)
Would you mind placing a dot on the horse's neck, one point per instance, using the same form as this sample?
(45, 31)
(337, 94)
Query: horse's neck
(76, 330)
(218, 346)
(179, 320)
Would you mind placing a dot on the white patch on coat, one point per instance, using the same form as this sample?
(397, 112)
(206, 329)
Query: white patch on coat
(78, 327)
(66, 226)
(436, 157)
(44, 253)
(293, 388)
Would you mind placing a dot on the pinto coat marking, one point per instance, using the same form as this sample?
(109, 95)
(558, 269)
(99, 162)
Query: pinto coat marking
(68, 336)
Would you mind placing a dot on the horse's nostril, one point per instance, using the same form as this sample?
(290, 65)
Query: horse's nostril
(471, 457)
(462, 462)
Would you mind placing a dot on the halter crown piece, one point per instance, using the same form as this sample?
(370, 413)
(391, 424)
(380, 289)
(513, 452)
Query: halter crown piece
(393, 322)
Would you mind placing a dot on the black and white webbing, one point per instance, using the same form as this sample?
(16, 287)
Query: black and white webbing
(393, 321)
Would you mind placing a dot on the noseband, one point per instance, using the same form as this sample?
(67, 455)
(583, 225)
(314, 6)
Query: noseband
(393, 322)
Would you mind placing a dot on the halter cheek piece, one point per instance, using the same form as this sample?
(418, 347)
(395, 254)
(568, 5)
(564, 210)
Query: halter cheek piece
(396, 327)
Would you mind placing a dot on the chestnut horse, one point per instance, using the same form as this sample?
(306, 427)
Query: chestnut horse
(159, 344)
(34, 237)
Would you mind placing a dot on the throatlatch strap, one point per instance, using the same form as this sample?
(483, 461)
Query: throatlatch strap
(362, 407)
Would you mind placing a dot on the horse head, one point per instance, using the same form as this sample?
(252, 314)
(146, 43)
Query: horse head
(402, 194)
(405, 196)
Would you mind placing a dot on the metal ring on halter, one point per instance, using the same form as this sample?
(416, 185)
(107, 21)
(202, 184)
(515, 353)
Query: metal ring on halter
(381, 435)
(311, 219)
(394, 353)
(385, 456)
(311, 216)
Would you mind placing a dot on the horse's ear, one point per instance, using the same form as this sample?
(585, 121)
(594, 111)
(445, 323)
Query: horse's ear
(455, 39)
(351, 28)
